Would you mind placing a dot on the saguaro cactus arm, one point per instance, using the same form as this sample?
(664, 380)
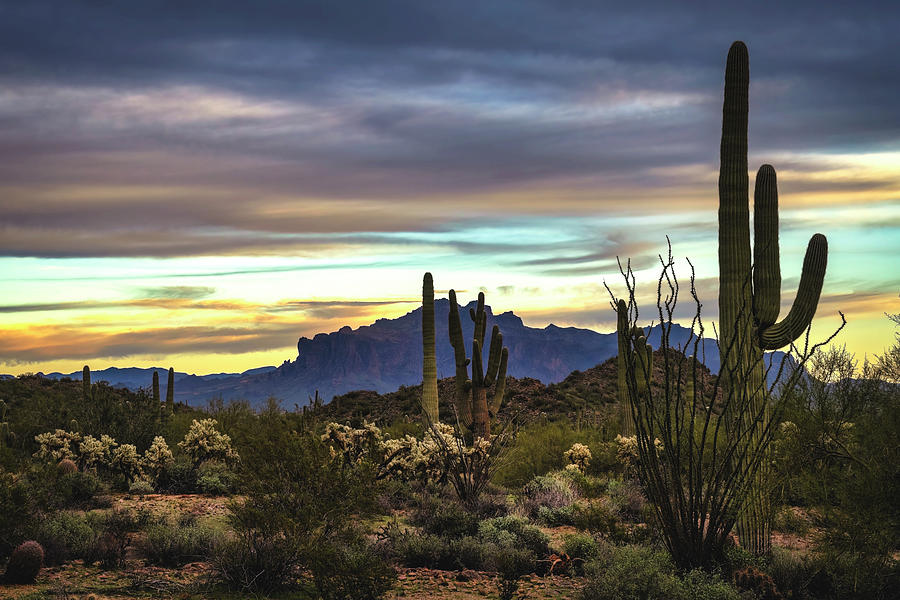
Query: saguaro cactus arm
(804, 307)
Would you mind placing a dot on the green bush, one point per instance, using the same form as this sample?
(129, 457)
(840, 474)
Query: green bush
(546, 491)
(581, 545)
(64, 536)
(351, 572)
(631, 573)
(444, 517)
(75, 489)
(17, 512)
(643, 573)
(600, 517)
(169, 545)
(510, 565)
(499, 530)
(216, 479)
(557, 517)
(255, 563)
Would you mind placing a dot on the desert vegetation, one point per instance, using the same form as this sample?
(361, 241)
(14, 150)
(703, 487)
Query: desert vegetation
(648, 478)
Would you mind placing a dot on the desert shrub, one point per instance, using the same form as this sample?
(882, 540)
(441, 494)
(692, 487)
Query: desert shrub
(628, 499)
(631, 573)
(252, 562)
(17, 511)
(111, 536)
(539, 448)
(25, 563)
(140, 487)
(173, 545)
(581, 545)
(298, 497)
(216, 479)
(515, 531)
(510, 565)
(587, 486)
(180, 478)
(74, 489)
(789, 520)
(644, 573)
(761, 585)
(443, 517)
(793, 572)
(351, 572)
(599, 516)
(546, 491)
(64, 536)
(557, 517)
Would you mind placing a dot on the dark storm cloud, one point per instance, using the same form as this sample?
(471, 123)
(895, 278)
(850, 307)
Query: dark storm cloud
(181, 121)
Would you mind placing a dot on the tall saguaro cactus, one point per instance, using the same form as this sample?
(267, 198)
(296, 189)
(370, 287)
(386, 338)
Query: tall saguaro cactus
(429, 361)
(750, 294)
(156, 386)
(86, 383)
(170, 392)
(471, 394)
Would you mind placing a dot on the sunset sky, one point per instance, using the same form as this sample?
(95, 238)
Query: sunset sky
(198, 184)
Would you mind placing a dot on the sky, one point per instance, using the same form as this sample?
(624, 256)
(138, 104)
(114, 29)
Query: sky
(199, 184)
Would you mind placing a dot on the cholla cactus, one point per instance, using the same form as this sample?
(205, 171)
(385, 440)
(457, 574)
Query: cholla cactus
(628, 453)
(56, 445)
(158, 458)
(204, 442)
(578, 456)
(127, 461)
(93, 453)
(354, 444)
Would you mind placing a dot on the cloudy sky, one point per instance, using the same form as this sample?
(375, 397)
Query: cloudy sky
(198, 184)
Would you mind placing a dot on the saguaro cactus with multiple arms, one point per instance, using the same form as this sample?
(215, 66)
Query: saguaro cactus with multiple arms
(471, 394)
(750, 294)
(429, 361)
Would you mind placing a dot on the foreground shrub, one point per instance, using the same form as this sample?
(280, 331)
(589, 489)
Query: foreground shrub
(25, 563)
(174, 545)
(64, 536)
(17, 512)
(510, 565)
(255, 563)
(642, 573)
(515, 532)
(216, 479)
(581, 545)
(352, 572)
(440, 517)
(548, 492)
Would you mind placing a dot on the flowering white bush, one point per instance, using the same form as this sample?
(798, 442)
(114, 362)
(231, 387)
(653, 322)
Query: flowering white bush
(158, 459)
(628, 453)
(204, 442)
(578, 456)
(57, 445)
(127, 461)
(403, 458)
(93, 453)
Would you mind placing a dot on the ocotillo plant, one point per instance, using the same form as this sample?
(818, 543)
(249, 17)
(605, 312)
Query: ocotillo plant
(471, 395)
(156, 387)
(429, 362)
(86, 383)
(170, 392)
(750, 294)
(643, 361)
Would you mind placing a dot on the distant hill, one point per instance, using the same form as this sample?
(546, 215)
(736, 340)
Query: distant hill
(386, 355)
(135, 378)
